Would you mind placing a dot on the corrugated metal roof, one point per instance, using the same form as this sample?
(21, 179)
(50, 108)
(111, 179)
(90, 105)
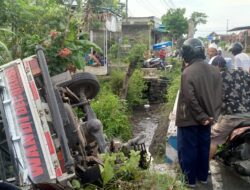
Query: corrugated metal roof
(239, 28)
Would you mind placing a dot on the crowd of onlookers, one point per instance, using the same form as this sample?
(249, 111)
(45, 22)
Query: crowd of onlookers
(214, 99)
(240, 59)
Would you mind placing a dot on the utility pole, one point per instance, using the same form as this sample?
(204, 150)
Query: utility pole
(126, 10)
(227, 26)
(191, 28)
(150, 26)
(228, 39)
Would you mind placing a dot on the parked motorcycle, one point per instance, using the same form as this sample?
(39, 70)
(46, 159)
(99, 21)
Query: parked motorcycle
(236, 151)
(155, 63)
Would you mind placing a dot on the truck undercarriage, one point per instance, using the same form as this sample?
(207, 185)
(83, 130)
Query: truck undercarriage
(44, 142)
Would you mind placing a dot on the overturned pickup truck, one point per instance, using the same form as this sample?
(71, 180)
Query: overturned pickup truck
(44, 143)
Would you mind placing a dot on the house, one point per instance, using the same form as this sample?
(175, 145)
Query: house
(228, 38)
(243, 36)
(148, 29)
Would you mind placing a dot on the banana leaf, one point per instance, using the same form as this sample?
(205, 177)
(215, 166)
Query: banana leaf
(6, 50)
(86, 44)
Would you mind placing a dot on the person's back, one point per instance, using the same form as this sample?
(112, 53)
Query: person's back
(203, 78)
(242, 61)
(236, 86)
(198, 105)
(236, 103)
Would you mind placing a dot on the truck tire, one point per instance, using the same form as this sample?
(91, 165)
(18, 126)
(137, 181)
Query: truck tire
(84, 81)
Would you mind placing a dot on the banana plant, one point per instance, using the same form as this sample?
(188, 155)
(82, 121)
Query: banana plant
(5, 54)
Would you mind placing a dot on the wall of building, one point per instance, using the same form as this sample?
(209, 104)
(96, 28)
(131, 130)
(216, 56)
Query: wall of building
(136, 32)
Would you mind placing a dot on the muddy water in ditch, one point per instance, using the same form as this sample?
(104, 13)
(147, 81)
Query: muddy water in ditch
(145, 120)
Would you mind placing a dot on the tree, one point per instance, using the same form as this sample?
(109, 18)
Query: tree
(47, 22)
(95, 12)
(31, 21)
(198, 18)
(135, 58)
(5, 54)
(175, 22)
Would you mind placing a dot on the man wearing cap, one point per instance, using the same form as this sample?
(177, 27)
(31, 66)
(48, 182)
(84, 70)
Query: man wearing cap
(235, 103)
(212, 52)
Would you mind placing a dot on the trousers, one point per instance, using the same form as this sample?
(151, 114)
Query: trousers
(193, 145)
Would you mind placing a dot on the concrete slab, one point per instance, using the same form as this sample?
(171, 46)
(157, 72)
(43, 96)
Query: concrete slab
(101, 70)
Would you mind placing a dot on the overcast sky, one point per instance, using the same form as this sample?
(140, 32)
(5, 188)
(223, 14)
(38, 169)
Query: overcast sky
(219, 12)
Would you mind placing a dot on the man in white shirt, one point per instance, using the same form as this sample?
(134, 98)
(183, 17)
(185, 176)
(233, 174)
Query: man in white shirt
(212, 52)
(241, 60)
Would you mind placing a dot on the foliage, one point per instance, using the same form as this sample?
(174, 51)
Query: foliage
(175, 22)
(64, 50)
(75, 184)
(116, 81)
(135, 55)
(135, 59)
(222, 44)
(113, 51)
(174, 85)
(198, 18)
(31, 21)
(5, 54)
(113, 113)
(95, 11)
(221, 148)
(159, 181)
(121, 172)
(117, 165)
(49, 23)
(98, 4)
(136, 88)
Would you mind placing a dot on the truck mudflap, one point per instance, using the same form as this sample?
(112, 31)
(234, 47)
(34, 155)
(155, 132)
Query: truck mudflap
(30, 139)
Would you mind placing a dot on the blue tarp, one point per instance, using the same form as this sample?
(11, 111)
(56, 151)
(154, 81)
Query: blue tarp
(162, 45)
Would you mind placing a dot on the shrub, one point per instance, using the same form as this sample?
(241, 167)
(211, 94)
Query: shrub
(174, 84)
(121, 172)
(116, 81)
(113, 114)
(137, 86)
(113, 51)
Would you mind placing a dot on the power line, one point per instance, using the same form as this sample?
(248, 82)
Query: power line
(152, 6)
(166, 3)
(172, 3)
(146, 6)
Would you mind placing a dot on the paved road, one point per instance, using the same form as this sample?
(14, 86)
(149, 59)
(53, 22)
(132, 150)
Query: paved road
(224, 178)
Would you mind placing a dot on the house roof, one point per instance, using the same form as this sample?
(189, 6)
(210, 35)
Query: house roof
(141, 21)
(213, 34)
(239, 28)
(161, 29)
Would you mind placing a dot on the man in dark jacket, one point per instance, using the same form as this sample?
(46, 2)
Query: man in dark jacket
(198, 107)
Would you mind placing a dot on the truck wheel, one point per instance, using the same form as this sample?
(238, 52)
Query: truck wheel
(84, 81)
